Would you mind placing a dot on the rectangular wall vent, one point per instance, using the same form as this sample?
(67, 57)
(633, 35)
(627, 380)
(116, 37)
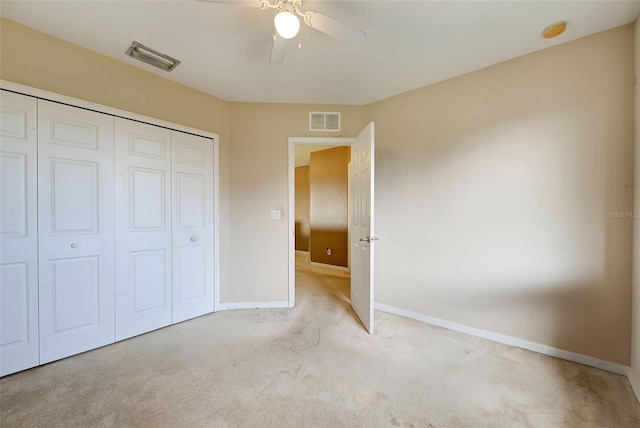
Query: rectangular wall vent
(324, 121)
(152, 57)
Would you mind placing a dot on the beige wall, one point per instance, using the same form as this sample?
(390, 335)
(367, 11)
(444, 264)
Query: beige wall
(634, 375)
(302, 208)
(259, 246)
(329, 177)
(38, 60)
(491, 192)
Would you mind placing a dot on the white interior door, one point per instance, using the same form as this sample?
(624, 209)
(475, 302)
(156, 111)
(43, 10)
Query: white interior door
(361, 225)
(143, 228)
(76, 230)
(18, 233)
(193, 226)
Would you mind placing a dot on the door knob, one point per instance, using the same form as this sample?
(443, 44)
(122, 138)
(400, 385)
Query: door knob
(368, 239)
(74, 245)
(194, 239)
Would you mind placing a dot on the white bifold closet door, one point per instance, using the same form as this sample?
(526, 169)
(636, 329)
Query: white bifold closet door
(143, 228)
(19, 233)
(76, 229)
(192, 219)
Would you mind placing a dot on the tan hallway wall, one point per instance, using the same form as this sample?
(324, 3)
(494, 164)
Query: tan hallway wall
(259, 248)
(491, 193)
(41, 61)
(634, 375)
(303, 208)
(329, 177)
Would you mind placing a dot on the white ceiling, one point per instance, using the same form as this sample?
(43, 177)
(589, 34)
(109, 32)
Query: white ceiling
(225, 49)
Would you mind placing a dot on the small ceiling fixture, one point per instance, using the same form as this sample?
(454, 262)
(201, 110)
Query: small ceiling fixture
(152, 57)
(554, 30)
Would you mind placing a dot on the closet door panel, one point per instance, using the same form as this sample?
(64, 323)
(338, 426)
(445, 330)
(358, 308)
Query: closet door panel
(75, 217)
(14, 178)
(192, 273)
(193, 258)
(18, 233)
(75, 293)
(14, 295)
(74, 196)
(143, 228)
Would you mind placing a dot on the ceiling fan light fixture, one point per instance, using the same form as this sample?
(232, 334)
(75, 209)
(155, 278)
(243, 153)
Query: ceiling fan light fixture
(287, 24)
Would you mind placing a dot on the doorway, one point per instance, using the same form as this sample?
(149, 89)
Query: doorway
(305, 142)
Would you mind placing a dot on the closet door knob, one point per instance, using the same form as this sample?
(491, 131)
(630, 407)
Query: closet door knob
(194, 239)
(74, 245)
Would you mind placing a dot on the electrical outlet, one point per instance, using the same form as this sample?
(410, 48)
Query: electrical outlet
(328, 251)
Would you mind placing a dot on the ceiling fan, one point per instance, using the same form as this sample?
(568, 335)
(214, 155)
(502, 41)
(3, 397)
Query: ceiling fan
(287, 23)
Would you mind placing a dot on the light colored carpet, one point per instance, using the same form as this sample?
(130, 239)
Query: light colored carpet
(314, 366)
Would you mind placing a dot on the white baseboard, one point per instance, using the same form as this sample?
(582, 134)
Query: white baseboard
(342, 268)
(303, 253)
(634, 380)
(253, 305)
(508, 340)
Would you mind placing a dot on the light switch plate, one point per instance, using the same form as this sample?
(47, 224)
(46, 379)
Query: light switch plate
(275, 214)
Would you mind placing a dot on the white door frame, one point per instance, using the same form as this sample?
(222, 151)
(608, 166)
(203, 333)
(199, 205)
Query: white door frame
(301, 141)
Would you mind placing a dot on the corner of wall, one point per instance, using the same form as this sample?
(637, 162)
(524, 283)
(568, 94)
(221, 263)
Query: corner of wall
(634, 380)
(634, 372)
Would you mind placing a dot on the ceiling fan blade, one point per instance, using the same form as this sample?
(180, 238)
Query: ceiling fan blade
(333, 27)
(254, 4)
(277, 51)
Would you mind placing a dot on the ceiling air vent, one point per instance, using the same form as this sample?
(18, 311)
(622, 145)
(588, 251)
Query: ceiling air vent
(324, 121)
(153, 57)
